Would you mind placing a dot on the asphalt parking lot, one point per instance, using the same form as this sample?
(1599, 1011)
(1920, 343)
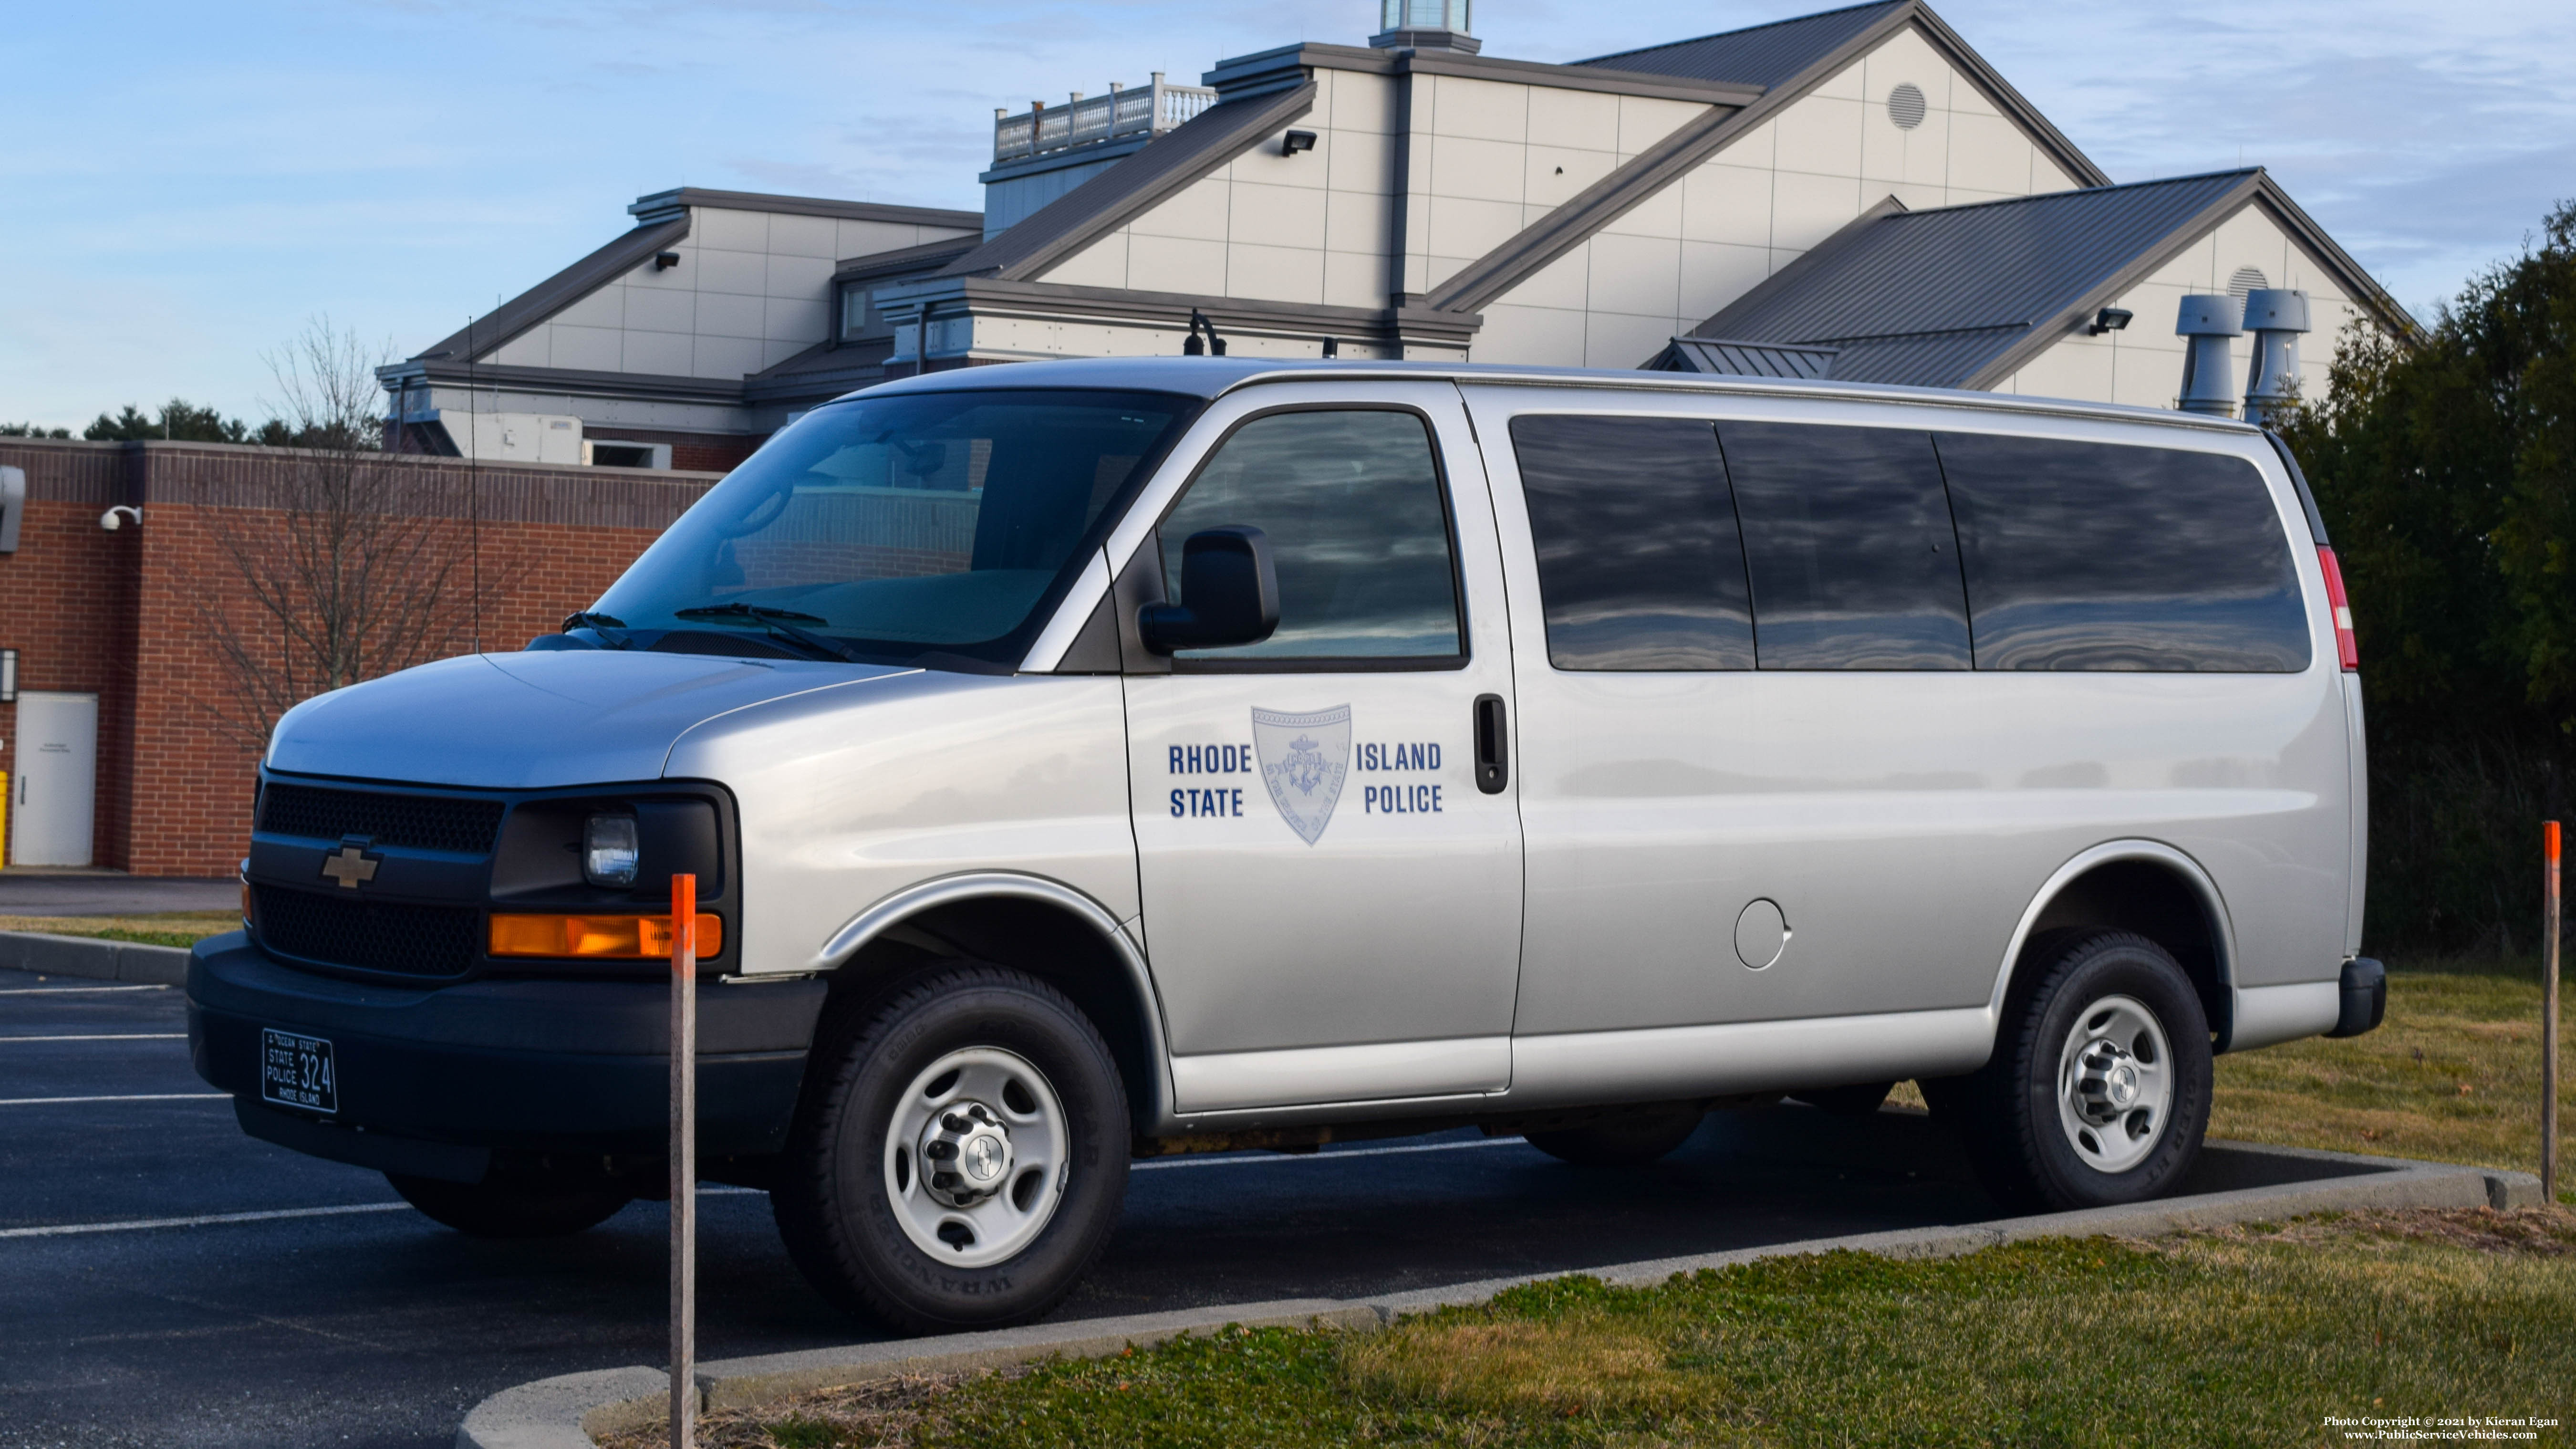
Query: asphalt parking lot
(273, 1300)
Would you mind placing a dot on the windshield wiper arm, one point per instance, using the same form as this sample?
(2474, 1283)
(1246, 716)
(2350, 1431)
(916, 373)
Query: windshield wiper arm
(740, 610)
(775, 622)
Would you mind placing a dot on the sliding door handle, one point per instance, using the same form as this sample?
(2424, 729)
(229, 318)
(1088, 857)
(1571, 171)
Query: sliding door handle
(1493, 748)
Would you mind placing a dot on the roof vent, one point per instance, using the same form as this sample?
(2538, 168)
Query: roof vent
(1425, 25)
(2276, 317)
(2212, 323)
(2244, 280)
(1905, 105)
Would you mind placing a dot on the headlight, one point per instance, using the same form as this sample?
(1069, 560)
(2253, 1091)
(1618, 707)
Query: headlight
(608, 850)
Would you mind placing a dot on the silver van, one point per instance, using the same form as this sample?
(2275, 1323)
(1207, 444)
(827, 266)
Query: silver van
(1082, 761)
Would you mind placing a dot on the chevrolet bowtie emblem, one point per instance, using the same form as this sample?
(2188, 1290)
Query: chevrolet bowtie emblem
(349, 865)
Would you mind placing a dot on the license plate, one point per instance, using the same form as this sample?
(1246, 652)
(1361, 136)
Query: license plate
(297, 1071)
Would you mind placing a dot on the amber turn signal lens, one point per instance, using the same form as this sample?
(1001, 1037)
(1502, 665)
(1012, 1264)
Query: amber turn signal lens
(630, 938)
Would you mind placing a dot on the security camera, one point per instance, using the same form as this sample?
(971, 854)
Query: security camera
(112, 523)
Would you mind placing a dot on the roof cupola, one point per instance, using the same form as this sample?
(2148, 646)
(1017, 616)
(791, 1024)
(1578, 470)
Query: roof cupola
(1425, 25)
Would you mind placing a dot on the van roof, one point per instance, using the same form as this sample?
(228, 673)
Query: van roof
(1212, 377)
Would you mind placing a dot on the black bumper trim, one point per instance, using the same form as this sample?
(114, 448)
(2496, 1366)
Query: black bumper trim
(508, 1065)
(407, 1155)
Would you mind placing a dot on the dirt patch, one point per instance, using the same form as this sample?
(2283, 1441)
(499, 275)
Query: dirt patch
(2542, 1232)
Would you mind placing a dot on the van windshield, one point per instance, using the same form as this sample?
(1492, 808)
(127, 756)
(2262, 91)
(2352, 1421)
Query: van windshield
(893, 529)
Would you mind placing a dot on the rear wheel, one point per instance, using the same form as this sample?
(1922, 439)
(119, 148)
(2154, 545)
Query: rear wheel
(960, 1156)
(1625, 1139)
(2098, 1091)
(511, 1209)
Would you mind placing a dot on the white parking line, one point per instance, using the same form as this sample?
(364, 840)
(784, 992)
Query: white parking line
(65, 1230)
(70, 990)
(72, 1230)
(105, 1036)
(1253, 1160)
(138, 1097)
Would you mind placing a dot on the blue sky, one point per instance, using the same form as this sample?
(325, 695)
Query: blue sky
(186, 184)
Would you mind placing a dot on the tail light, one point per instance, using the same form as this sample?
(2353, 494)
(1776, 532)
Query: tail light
(2346, 646)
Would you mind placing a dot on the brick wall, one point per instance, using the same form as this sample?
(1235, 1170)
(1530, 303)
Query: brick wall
(133, 614)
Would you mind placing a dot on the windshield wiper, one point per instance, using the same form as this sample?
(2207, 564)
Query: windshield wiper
(739, 609)
(775, 622)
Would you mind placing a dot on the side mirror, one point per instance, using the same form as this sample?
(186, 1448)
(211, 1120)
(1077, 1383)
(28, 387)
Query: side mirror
(1231, 589)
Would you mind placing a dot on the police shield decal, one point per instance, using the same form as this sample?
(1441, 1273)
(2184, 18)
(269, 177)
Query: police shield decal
(1304, 759)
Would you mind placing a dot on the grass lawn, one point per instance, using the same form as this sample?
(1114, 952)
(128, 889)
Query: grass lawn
(168, 928)
(2255, 1335)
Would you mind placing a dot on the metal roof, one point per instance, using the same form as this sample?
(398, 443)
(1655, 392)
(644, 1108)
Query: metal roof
(1745, 359)
(1762, 55)
(1934, 298)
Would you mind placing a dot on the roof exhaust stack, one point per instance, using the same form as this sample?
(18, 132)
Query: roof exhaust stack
(2276, 316)
(2211, 322)
(1425, 25)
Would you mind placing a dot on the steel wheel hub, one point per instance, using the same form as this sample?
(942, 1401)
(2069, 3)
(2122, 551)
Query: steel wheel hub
(2115, 1084)
(967, 1152)
(976, 1153)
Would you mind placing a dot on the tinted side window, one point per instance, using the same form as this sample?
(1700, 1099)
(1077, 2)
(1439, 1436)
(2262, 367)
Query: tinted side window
(1360, 534)
(1639, 566)
(1848, 540)
(2099, 556)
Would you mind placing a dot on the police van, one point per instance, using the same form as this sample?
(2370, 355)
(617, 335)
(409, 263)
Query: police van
(1089, 760)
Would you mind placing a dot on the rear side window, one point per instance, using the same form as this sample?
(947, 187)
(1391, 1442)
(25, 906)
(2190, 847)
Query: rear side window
(1639, 565)
(2098, 556)
(1358, 530)
(1848, 539)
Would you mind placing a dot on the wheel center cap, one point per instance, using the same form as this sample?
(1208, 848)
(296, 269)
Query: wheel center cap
(2122, 1085)
(965, 1154)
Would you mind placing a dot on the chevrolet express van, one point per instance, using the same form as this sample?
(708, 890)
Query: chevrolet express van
(1090, 760)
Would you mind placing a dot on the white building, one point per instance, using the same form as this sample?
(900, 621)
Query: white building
(1854, 193)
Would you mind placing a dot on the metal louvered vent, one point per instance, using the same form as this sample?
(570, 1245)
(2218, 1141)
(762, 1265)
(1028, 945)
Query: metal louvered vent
(2245, 280)
(1905, 105)
(370, 935)
(422, 822)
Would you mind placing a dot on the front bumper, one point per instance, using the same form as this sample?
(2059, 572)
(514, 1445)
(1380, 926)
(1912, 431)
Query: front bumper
(510, 1066)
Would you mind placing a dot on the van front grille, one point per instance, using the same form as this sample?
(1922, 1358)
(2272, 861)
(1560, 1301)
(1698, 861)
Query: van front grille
(420, 822)
(392, 936)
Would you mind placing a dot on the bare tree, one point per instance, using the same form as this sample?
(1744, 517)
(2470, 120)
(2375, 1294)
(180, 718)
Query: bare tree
(347, 563)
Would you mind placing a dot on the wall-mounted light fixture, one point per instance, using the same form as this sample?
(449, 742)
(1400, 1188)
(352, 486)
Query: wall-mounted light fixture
(1296, 141)
(8, 676)
(2110, 319)
(665, 261)
(112, 521)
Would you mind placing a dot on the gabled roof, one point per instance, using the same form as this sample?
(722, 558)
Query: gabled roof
(524, 311)
(1960, 296)
(1762, 55)
(1127, 190)
(1804, 54)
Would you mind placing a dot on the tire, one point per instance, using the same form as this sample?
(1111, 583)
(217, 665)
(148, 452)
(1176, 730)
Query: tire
(1022, 1190)
(511, 1209)
(2099, 1088)
(1628, 1139)
(1860, 1100)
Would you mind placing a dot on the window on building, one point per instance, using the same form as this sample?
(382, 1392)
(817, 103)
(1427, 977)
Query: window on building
(1639, 563)
(855, 314)
(1358, 528)
(1848, 541)
(2099, 556)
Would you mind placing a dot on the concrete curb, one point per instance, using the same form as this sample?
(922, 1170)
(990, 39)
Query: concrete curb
(98, 960)
(564, 1412)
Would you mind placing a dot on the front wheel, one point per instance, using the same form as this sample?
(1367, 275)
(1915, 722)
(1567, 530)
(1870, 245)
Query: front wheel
(2098, 1091)
(960, 1156)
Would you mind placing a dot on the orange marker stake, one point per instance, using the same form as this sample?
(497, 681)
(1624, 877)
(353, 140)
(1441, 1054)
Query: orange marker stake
(2550, 921)
(684, 1161)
